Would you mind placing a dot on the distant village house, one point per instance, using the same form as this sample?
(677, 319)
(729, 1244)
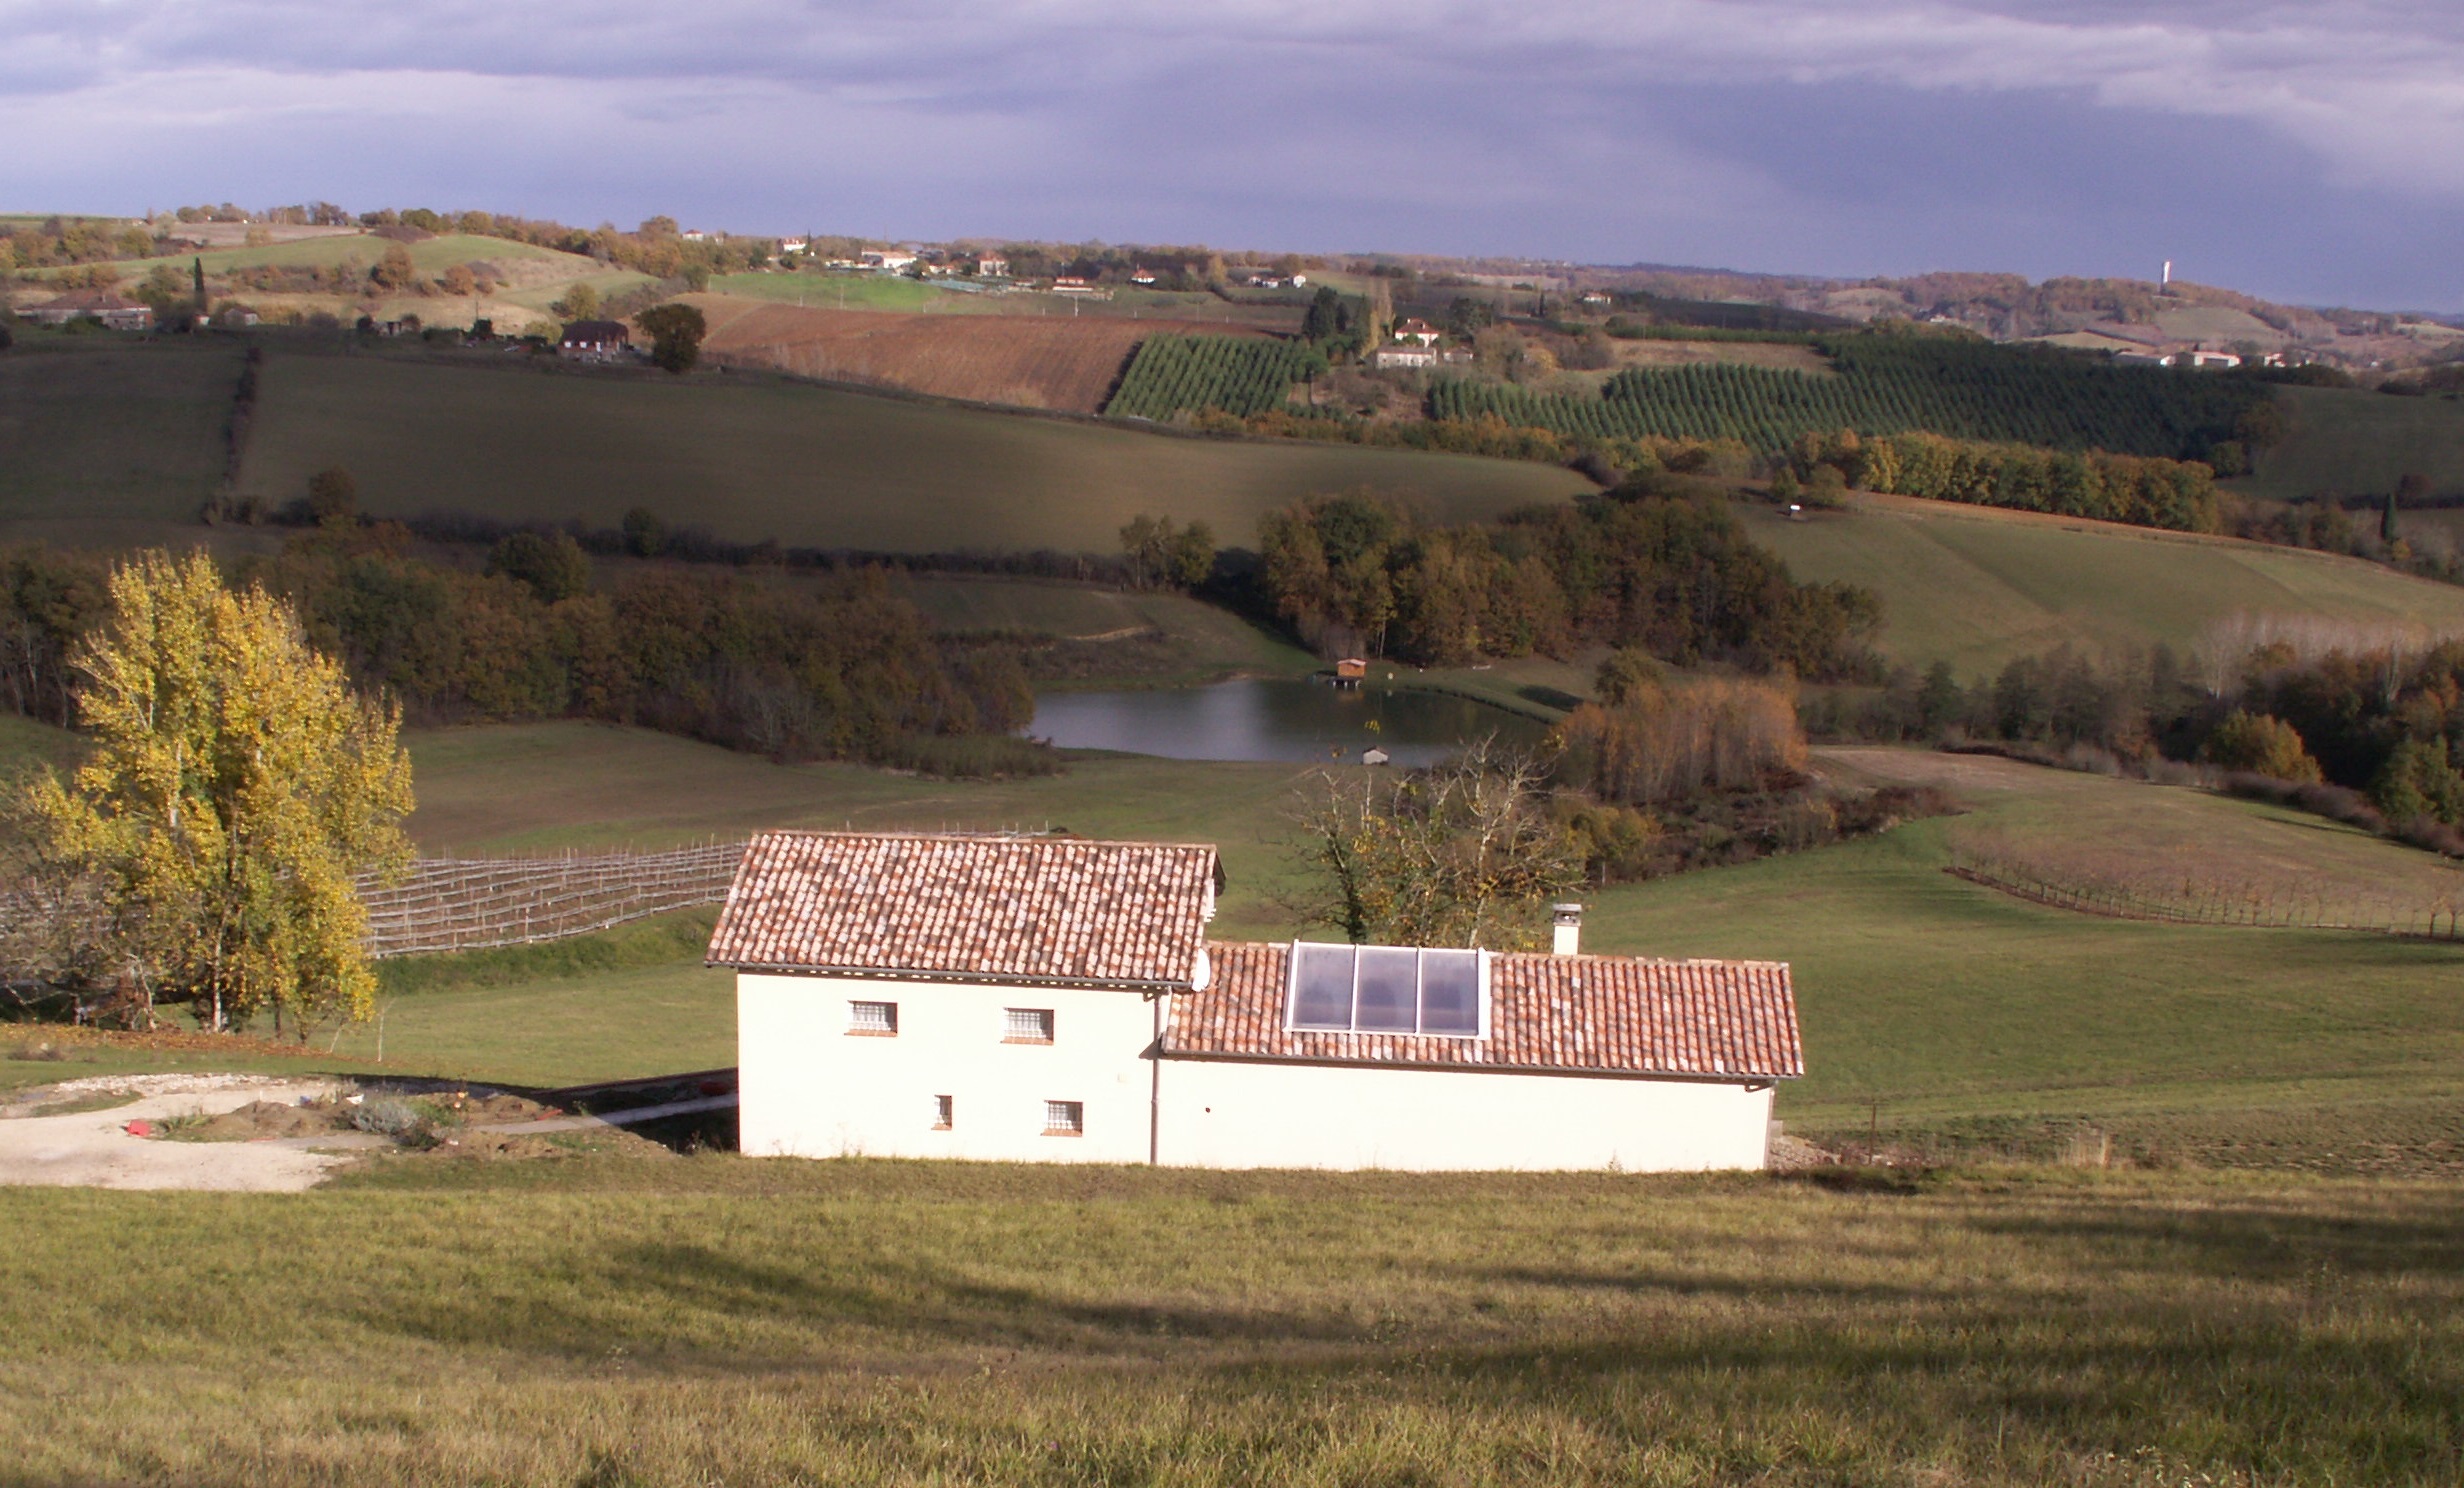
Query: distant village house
(96, 305)
(1404, 354)
(595, 340)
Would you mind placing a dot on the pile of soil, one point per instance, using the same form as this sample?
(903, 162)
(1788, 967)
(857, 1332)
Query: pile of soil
(332, 1115)
(260, 1119)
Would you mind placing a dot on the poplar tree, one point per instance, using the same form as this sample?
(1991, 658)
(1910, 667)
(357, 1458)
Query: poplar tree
(235, 790)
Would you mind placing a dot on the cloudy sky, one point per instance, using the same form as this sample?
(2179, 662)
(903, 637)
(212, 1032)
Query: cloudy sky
(2312, 152)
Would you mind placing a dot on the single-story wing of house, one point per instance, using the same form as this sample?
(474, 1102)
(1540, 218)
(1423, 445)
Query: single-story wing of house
(93, 304)
(1056, 999)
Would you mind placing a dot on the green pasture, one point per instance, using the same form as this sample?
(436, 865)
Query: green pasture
(1948, 1003)
(2346, 442)
(1975, 588)
(892, 292)
(100, 433)
(625, 1318)
(1090, 636)
(1929, 1004)
(753, 456)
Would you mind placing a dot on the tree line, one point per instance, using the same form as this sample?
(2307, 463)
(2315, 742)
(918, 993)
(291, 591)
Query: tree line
(2366, 729)
(833, 665)
(1660, 563)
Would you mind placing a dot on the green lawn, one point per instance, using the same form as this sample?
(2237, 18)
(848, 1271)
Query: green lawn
(753, 456)
(1975, 587)
(618, 1319)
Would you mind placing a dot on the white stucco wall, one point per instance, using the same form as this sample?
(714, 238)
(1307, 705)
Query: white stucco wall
(1236, 1114)
(809, 1088)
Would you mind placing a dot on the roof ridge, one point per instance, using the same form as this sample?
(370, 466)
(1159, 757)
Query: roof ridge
(1544, 956)
(987, 835)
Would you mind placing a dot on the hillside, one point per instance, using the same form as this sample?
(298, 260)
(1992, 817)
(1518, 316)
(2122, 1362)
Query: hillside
(1058, 362)
(753, 457)
(99, 432)
(1975, 586)
(1950, 1001)
(2347, 442)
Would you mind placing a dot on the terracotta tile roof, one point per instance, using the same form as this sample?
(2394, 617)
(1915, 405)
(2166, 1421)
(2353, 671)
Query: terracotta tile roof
(1032, 909)
(1607, 1014)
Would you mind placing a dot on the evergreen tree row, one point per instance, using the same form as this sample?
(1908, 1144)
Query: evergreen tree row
(1962, 389)
(1240, 375)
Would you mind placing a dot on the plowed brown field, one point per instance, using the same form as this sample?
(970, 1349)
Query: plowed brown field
(1062, 363)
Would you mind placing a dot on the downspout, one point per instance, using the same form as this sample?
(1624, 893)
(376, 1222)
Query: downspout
(1155, 1088)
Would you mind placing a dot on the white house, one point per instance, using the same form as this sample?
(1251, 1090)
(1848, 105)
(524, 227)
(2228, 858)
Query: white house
(889, 259)
(1055, 999)
(1404, 354)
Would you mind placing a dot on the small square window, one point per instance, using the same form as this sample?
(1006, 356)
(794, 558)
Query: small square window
(1026, 1025)
(1065, 1118)
(942, 1108)
(872, 1017)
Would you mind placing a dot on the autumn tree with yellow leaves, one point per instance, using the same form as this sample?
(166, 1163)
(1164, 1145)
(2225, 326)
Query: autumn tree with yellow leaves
(235, 790)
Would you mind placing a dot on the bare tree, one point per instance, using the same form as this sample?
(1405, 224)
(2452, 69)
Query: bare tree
(1462, 854)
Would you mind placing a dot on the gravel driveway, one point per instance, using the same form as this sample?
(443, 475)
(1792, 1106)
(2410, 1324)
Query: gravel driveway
(92, 1149)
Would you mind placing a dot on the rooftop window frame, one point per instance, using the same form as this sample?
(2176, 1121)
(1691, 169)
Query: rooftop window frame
(1292, 1023)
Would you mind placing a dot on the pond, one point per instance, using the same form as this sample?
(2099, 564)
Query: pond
(1276, 718)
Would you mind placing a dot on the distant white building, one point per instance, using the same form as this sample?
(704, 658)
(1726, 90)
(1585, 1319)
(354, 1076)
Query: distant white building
(1404, 354)
(1067, 285)
(992, 266)
(1056, 1000)
(93, 304)
(794, 245)
(891, 259)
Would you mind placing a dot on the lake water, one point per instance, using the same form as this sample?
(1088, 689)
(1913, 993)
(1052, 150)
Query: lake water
(1276, 718)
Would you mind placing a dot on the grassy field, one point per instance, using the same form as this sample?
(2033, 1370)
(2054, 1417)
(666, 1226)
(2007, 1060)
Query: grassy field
(2347, 442)
(753, 457)
(104, 433)
(1099, 637)
(432, 257)
(857, 292)
(1976, 587)
(618, 1319)
(1953, 1005)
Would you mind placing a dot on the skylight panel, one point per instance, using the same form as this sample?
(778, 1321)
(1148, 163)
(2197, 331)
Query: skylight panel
(1387, 989)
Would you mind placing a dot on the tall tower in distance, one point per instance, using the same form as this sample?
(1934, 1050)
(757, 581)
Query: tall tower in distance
(2167, 282)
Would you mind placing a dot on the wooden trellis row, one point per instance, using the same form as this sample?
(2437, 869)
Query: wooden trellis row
(465, 904)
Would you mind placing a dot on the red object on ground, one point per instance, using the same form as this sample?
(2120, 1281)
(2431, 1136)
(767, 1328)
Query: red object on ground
(718, 1087)
(140, 1128)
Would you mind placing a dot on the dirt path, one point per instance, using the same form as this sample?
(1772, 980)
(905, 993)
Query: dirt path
(92, 1149)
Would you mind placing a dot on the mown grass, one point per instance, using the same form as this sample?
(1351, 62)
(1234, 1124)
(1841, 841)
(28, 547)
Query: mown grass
(612, 1319)
(752, 456)
(1976, 588)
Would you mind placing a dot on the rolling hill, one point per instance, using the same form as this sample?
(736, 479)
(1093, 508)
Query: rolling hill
(752, 456)
(1975, 586)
